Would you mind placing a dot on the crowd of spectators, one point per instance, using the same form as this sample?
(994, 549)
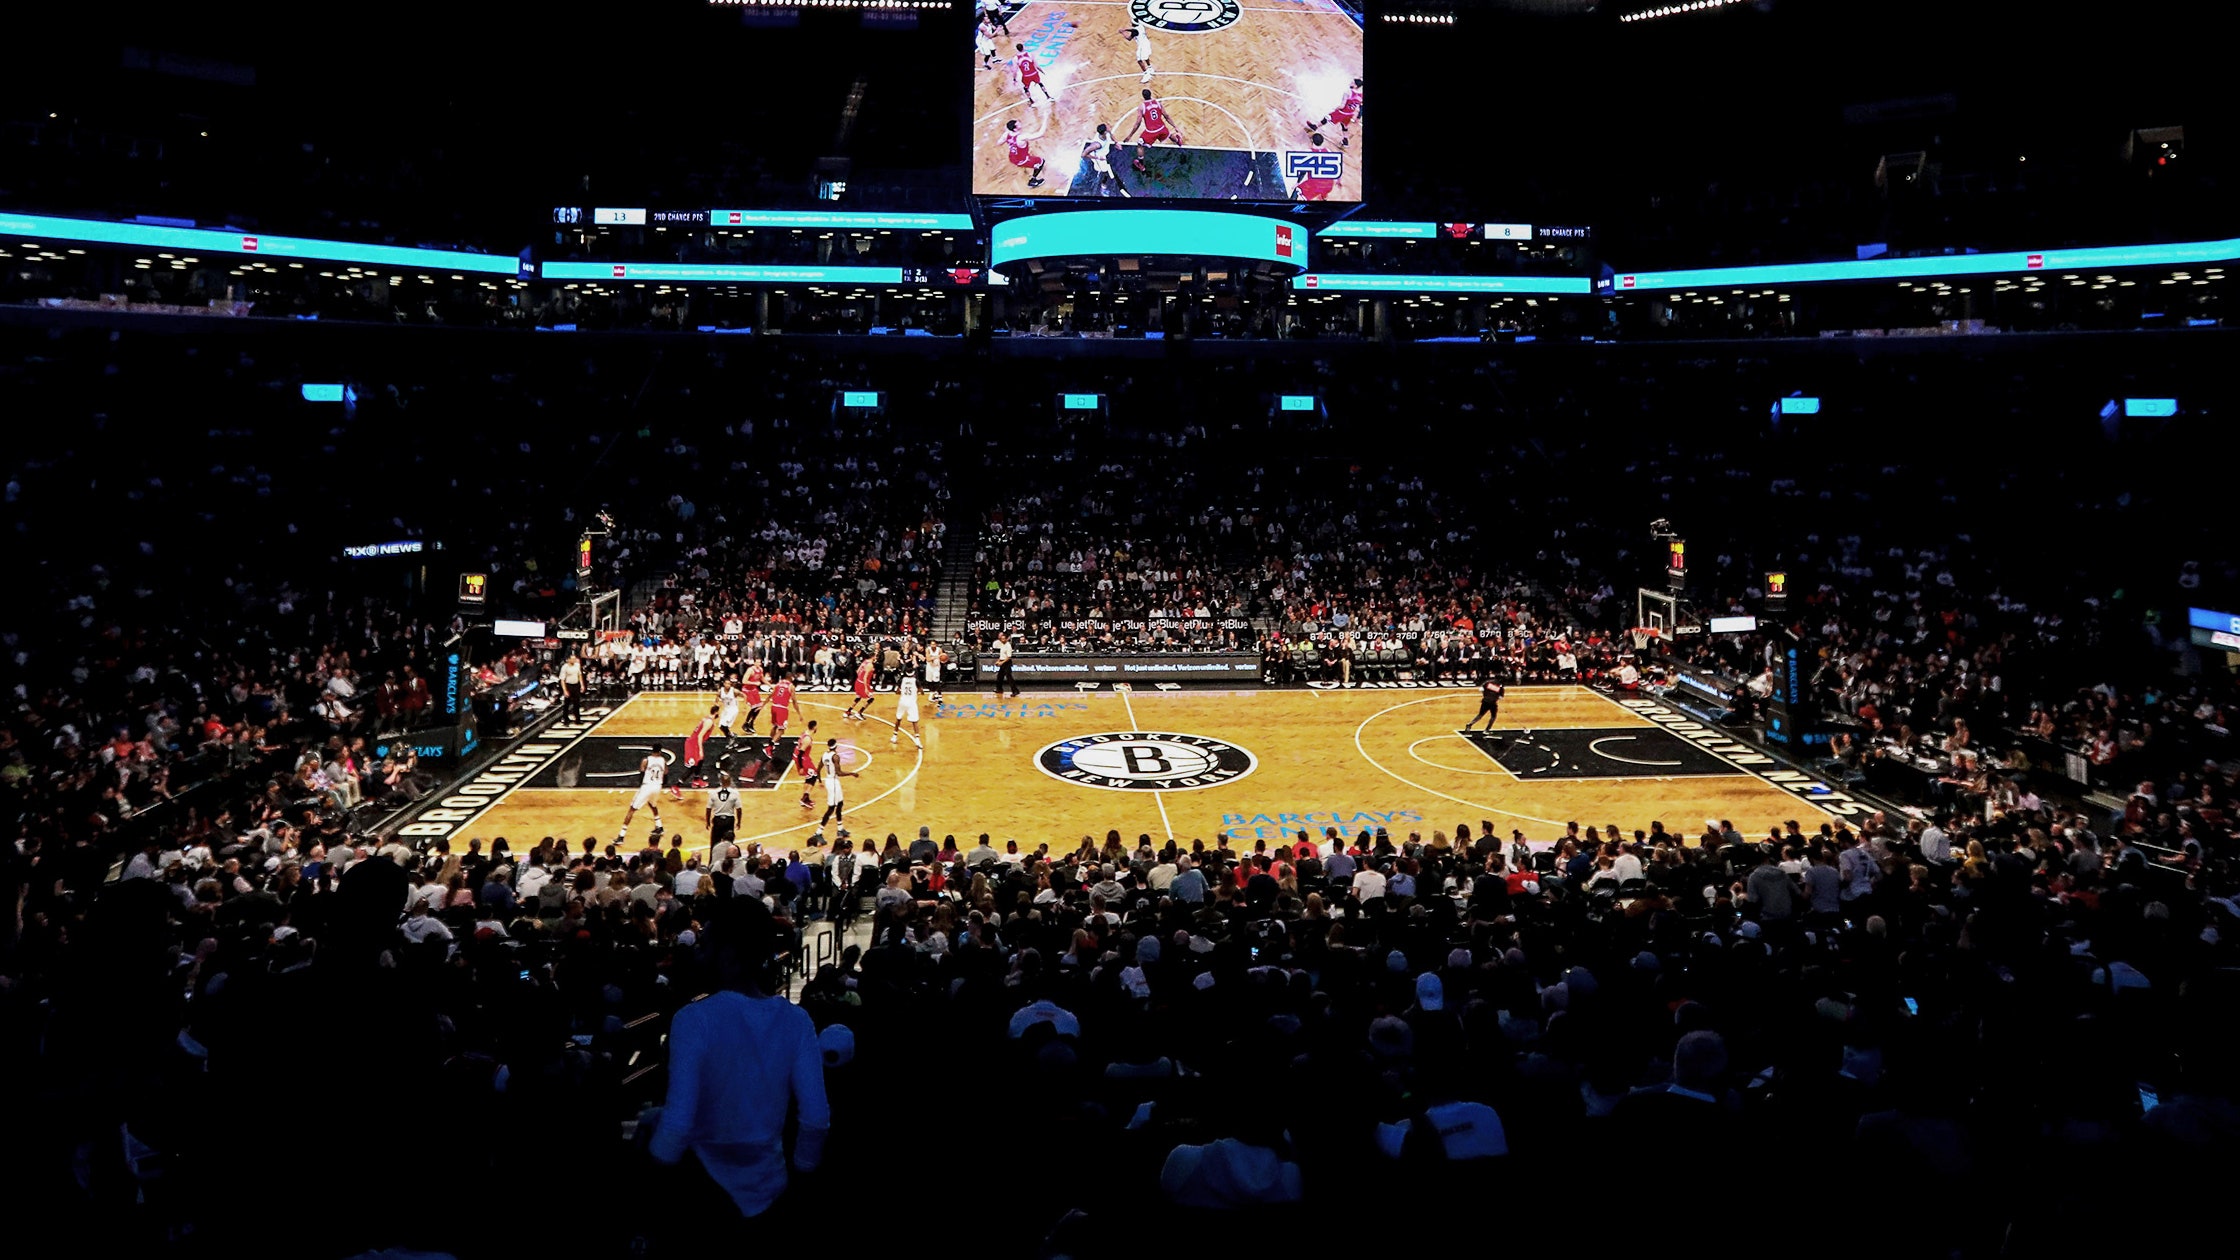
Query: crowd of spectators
(1240, 1030)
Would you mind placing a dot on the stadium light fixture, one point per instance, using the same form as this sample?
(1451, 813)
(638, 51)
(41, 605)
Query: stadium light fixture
(1674, 10)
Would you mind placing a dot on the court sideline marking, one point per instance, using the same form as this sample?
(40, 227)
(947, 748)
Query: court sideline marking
(1160, 797)
(491, 803)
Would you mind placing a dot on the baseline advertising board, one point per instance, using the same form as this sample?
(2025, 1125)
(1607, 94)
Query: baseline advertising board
(1179, 667)
(1186, 99)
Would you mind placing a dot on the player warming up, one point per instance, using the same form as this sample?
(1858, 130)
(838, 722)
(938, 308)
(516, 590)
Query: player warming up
(1489, 704)
(1345, 115)
(1022, 156)
(1151, 122)
(653, 771)
(1029, 73)
(1098, 153)
(1142, 40)
(831, 771)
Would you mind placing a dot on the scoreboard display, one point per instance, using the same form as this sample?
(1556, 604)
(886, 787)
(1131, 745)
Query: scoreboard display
(1169, 99)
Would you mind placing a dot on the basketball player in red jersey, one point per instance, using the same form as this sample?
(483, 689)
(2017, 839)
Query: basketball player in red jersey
(696, 747)
(1022, 156)
(862, 703)
(1151, 119)
(1030, 75)
(781, 706)
(1347, 112)
(1312, 189)
(753, 688)
(805, 761)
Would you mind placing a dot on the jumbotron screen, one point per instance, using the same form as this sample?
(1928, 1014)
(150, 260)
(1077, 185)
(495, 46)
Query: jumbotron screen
(1187, 99)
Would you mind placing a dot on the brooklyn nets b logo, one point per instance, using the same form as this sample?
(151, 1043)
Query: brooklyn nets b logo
(1145, 761)
(1190, 17)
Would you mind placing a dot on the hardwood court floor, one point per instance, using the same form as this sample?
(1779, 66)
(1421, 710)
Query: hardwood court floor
(1250, 86)
(1276, 760)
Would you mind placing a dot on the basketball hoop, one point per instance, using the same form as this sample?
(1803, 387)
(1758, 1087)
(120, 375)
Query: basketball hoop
(1642, 635)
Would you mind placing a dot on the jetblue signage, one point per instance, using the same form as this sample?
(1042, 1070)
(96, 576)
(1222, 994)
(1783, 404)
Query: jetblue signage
(859, 398)
(2150, 406)
(323, 393)
(1297, 402)
(1095, 233)
(1794, 406)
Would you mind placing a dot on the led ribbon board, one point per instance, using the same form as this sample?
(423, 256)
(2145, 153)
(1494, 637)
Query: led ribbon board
(216, 241)
(1341, 282)
(1103, 233)
(2053, 260)
(877, 219)
(1371, 230)
(719, 273)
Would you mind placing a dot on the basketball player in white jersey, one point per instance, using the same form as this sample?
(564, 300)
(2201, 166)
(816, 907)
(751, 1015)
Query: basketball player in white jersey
(830, 770)
(1098, 151)
(934, 659)
(727, 708)
(984, 43)
(906, 708)
(653, 773)
(1142, 37)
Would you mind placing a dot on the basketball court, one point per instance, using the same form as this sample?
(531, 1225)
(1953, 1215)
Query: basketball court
(1238, 79)
(1055, 767)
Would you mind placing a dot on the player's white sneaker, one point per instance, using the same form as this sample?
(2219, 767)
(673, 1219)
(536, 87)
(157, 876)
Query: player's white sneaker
(1146, 77)
(895, 738)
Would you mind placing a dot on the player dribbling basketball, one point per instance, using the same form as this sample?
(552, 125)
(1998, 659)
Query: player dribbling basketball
(832, 771)
(1151, 121)
(1344, 115)
(1314, 187)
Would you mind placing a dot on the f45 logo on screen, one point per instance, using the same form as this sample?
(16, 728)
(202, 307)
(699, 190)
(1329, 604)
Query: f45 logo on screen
(1313, 164)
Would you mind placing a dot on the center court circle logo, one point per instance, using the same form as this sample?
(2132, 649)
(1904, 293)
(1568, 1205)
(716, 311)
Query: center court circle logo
(1190, 17)
(1145, 761)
